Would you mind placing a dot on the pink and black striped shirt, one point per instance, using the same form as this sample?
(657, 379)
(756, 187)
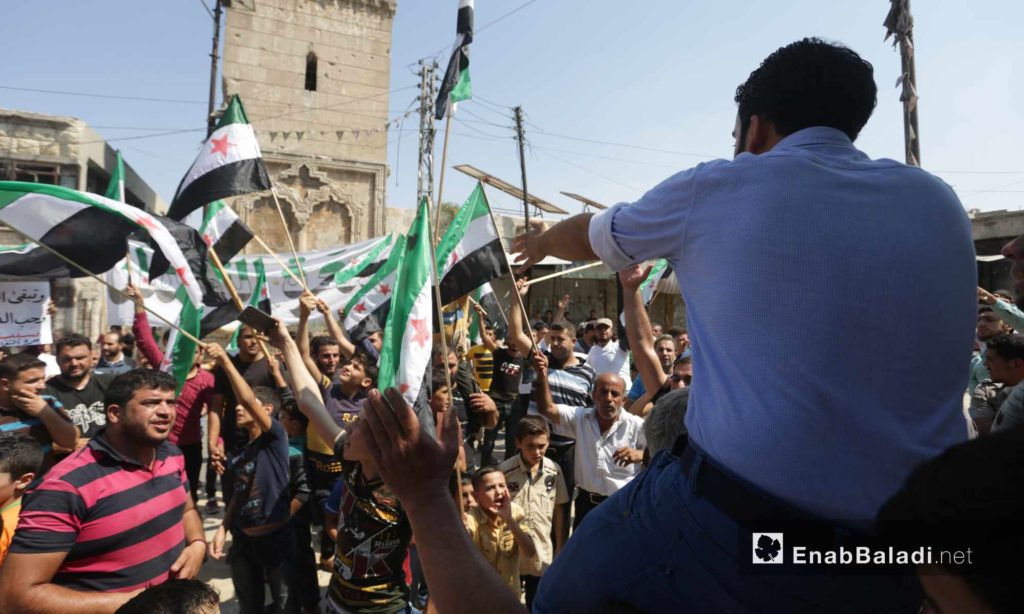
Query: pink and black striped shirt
(118, 520)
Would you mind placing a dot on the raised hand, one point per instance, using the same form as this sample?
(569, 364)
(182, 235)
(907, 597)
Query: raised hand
(633, 277)
(529, 246)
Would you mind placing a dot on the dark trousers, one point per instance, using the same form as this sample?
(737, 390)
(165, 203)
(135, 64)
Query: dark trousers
(505, 408)
(585, 503)
(530, 583)
(321, 482)
(258, 562)
(193, 453)
(211, 481)
(305, 588)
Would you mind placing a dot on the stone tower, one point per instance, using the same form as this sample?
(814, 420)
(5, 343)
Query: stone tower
(314, 78)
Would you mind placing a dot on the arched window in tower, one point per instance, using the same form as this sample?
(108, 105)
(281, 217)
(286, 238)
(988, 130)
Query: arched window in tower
(311, 71)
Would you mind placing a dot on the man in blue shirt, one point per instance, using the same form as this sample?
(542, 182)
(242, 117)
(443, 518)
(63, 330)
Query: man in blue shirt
(793, 259)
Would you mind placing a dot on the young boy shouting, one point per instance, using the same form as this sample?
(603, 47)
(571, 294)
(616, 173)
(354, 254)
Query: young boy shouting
(258, 514)
(21, 460)
(498, 526)
(537, 486)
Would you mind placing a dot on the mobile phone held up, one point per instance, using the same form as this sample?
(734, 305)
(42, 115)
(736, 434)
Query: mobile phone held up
(257, 320)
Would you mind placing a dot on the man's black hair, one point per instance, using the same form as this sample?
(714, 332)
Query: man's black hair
(565, 325)
(968, 496)
(71, 341)
(1009, 347)
(20, 454)
(320, 341)
(369, 365)
(14, 364)
(809, 83)
(173, 597)
(437, 380)
(123, 387)
(985, 309)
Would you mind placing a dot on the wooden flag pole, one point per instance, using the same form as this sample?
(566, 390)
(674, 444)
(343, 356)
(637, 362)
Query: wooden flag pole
(440, 183)
(288, 234)
(215, 259)
(574, 269)
(280, 262)
(81, 268)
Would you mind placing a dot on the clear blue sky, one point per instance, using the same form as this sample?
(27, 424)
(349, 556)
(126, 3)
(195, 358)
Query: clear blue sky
(657, 75)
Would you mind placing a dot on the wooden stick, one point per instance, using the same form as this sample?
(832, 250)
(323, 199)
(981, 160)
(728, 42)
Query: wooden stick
(582, 267)
(282, 264)
(440, 184)
(234, 294)
(81, 268)
(288, 234)
(515, 288)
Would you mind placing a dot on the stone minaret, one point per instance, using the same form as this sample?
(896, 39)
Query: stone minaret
(314, 78)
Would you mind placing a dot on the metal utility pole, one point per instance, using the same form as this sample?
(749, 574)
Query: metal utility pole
(213, 67)
(522, 166)
(899, 24)
(428, 94)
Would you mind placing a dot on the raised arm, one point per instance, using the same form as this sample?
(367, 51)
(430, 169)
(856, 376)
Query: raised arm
(568, 240)
(334, 329)
(307, 393)
(1007, 312)
(243, 392)
(562, 306)
(307, 303)
(638, 328)
(143, 333)
(516, 318)
(542, 390)
(481, 317)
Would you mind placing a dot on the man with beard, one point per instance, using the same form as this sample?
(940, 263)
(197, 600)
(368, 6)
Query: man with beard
(113, 361)
(605, 355)
(114, 518)
(609, 442)
(990, 326)
(78, 388)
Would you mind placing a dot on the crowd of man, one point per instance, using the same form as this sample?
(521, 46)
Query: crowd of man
(625, 475)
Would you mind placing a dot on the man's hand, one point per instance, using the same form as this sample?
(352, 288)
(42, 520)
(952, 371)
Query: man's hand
(539, 362)
(633, 277)
(273, 364)
(307, 304)
(563, 303)
(216, 547)
(624, 457)
(29, 402)
(216, 353)
(278, 336)
(480, 311)
(51, 308)
(529, 245)
(481, 403)
(324, 308)
(984, 296)
(521, 286)
(410, 462)
(191, 559)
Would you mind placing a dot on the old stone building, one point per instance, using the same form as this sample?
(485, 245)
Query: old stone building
(65, 151)
(314, 77)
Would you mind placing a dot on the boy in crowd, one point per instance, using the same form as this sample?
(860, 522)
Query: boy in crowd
(258, 513)
(21, 460)
(24, 409)
(498, 527)
(374, 534)
(305, 588)
(537, 486)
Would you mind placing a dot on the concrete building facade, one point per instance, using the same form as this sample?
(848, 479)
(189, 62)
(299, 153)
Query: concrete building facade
(314, 78)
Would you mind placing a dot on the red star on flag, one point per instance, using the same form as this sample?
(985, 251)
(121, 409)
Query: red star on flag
(421, 334)
(221, 145)
(360, 308)
(180, 271)
(385, 289)
(145, 222)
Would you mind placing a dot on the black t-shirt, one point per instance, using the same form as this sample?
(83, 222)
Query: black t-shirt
(255, 374)
(85, 407)
(508, 372)
(262, 480)
(373, 540)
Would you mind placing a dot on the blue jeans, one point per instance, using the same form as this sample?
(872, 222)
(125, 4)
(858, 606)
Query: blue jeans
(658, 546)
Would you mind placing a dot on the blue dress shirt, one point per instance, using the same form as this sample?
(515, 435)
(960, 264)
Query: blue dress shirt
(831, 300)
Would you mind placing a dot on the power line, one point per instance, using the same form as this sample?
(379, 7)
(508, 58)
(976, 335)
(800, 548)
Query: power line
(107, 96)
(587, 170)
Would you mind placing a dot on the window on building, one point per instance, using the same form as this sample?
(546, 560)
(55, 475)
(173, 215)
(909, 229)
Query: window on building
(311, 71)
(36, 173)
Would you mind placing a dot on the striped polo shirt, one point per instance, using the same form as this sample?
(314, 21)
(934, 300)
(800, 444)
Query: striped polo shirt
(118, 521)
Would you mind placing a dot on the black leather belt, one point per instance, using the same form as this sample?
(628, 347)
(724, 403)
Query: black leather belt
(592, 496)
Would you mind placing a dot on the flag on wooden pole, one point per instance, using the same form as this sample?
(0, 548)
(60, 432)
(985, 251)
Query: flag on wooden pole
(456, 85)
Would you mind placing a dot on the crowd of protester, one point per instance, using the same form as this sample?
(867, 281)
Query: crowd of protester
(104, 459)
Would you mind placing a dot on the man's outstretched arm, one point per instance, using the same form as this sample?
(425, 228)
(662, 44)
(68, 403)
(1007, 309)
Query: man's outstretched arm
(568, 240)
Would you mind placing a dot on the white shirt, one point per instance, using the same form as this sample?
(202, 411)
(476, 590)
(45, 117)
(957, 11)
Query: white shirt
(595, 471)
(609, 359)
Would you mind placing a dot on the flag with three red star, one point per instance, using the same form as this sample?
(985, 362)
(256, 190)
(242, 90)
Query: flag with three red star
(229, 164)
(407, 342)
